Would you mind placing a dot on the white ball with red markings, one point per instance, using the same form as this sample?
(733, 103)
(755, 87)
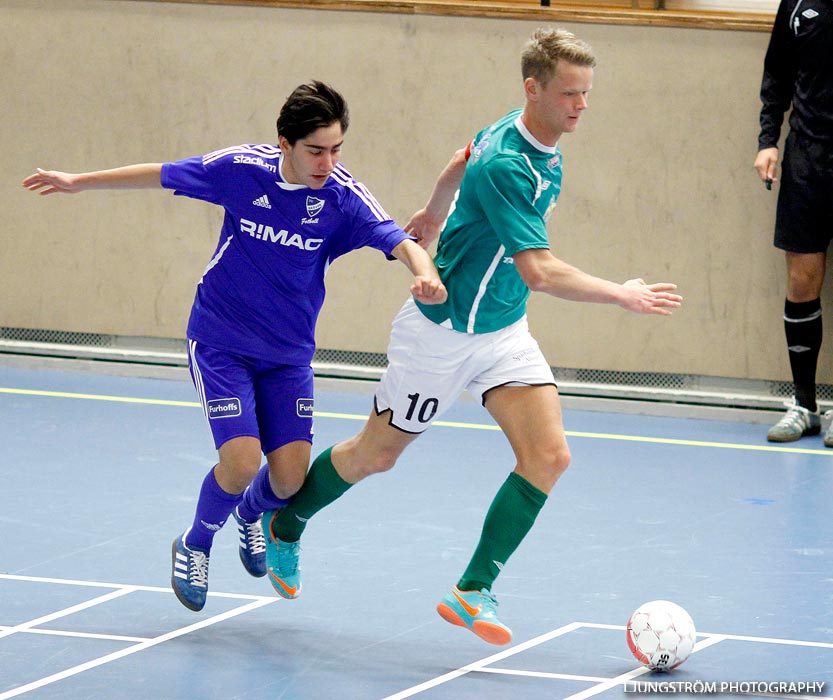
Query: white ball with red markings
(661, 635)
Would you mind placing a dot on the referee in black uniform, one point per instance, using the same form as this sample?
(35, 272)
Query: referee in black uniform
(798, 72)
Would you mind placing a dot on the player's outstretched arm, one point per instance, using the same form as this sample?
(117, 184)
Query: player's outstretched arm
(656, 298)
(139, 176)
(427, 286)
(542, 272)
(426, 223)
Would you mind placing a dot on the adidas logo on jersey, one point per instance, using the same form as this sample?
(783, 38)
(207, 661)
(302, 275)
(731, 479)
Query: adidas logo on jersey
(262, 202)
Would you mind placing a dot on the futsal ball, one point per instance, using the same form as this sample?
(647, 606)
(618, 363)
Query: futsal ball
(661, 635)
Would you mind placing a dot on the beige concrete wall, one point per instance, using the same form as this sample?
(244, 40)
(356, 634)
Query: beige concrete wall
(658, 180)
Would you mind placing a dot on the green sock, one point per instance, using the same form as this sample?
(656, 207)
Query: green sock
(510, 517)
(321, 487)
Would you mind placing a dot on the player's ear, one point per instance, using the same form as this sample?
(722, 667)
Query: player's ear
(531, 88)
(283, 144)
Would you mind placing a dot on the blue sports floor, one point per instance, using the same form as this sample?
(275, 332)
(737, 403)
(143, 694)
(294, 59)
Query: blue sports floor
(98, 474)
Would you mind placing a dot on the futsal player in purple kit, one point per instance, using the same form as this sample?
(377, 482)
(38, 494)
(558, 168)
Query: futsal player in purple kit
(290, 210)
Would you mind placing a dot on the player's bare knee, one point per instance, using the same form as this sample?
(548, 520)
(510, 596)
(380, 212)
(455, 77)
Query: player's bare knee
(562, 460)
(287, 488)
(286, 483)
(803, 285)
(379, 461)
(554, 465)
(234, 476)
(556, 461)
(384, 462)
(246, 472)
(545, 467)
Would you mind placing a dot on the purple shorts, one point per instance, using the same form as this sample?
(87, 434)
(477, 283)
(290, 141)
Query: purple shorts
(245, 396)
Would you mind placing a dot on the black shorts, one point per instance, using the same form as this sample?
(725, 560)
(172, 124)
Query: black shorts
(804, 217)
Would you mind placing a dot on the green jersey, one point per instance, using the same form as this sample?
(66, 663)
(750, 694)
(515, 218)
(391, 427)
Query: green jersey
(507, 194)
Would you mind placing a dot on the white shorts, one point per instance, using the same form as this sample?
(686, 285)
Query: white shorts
(429, 366)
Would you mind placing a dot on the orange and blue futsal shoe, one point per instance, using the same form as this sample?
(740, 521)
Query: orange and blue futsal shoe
(475, 610)
(281, 560)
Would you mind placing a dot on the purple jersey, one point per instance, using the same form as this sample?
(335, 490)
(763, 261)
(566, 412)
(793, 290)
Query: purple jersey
(261, 293)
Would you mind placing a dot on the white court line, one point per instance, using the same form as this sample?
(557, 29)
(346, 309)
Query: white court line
(603, 684)
(477, 665)
(102, 584)
(80, 635)
(775, 640)
(67, 611)
(731, 637)
(620, 679)
(710, 639)
(119, 591)
(135, 648)
(542, 674)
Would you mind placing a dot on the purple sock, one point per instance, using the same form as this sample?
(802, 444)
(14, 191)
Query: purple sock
(213, 508)
(259, 497)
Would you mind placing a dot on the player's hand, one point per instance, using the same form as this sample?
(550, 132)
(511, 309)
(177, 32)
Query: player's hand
(765, 163)
(50, 181)
(429, 290)
(425, 228)
(643, 298)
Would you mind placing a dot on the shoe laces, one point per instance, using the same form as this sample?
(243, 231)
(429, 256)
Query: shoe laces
(489, 600)
(796, 417)
(288, 554)
(255, 542)
(198, 568)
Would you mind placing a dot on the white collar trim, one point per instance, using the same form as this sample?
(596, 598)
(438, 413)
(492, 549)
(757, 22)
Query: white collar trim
(520, 126)
(286, 185)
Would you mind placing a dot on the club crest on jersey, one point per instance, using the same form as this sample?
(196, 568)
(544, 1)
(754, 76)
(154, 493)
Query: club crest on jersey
(481, 146)
(554, 161)
(314, 207)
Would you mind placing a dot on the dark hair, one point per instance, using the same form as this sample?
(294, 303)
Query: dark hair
(309, 107)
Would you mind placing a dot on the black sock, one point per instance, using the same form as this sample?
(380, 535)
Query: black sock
(803, 327)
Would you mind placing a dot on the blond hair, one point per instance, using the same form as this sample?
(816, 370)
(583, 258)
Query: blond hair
(546, 47)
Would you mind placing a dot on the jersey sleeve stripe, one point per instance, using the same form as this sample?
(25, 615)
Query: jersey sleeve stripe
(539, 185)
(342, 177)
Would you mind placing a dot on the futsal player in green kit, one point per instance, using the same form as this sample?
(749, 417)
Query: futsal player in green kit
(492, 252)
